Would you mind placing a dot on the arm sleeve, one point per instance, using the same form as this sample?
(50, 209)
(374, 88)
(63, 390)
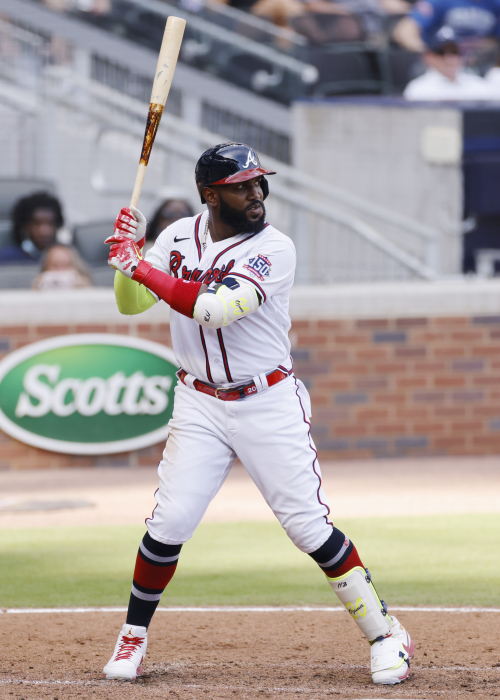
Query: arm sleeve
(270, 267)
(132, 297)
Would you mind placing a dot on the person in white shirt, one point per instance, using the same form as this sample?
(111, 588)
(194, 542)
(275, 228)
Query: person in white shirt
(492, 77)
(445, 78)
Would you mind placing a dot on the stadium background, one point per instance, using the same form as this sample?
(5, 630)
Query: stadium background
(398, 347)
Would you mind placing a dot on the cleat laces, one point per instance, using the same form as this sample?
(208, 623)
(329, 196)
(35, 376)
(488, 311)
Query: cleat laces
(127, 647)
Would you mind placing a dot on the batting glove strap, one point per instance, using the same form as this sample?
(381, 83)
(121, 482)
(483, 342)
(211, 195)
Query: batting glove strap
(180, 294)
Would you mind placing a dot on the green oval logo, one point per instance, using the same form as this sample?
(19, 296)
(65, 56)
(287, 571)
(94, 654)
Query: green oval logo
(88, 393)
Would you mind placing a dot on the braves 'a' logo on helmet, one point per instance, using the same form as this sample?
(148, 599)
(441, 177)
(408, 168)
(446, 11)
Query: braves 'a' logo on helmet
(251, 158)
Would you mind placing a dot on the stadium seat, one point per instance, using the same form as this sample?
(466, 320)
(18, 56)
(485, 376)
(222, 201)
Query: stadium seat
(349, 68)
(88, 239)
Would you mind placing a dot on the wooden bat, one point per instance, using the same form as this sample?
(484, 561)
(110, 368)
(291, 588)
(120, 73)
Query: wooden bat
(167, 60)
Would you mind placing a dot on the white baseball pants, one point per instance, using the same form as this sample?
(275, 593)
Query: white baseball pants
(269, 432)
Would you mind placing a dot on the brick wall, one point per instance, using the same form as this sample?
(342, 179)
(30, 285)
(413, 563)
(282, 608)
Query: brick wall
(379, 387)
(407, 386)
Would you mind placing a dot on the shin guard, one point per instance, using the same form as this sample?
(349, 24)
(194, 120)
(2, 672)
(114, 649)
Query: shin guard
(358, 595)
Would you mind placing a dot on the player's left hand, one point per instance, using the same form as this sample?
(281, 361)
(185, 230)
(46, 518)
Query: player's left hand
(131, 223)
(124, 254)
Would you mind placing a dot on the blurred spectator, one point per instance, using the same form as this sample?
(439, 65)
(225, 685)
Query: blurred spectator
(95, 7)
(36, 220)
(471, 20)
(325, 21)
(169, 211)
(492, 77)
(349, 20)
(445, 78)
(62, 268)
(279, 12)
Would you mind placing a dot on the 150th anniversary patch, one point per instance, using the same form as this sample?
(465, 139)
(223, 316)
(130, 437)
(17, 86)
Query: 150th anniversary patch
(259, 266)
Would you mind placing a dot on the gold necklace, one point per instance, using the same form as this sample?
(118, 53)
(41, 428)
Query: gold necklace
(204, 237)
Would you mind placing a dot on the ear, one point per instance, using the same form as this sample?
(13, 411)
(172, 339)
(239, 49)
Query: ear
(211, 196)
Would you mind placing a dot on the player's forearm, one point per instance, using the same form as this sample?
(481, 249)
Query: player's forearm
(131, 297)
(407, 34)
(179, 294)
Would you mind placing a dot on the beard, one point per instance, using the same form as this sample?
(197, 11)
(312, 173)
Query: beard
(238, 219)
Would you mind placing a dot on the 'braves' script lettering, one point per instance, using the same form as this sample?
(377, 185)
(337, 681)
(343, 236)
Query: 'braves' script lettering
(213, 274)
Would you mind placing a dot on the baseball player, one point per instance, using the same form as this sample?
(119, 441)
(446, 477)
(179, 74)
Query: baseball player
(227, 275)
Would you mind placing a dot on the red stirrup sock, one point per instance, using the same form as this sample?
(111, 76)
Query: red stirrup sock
(154, 568)
(179, 294)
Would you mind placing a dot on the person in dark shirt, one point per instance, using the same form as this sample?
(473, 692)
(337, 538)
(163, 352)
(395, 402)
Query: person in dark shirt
(167, 213)
(35, 222)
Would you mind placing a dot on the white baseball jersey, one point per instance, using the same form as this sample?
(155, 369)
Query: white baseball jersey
(269, 431)
(253, 345)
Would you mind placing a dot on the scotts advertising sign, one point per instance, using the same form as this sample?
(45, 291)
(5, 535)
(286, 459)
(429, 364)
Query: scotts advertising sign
(88, 394)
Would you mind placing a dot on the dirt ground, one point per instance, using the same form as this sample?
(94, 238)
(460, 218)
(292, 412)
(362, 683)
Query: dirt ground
(247, 655)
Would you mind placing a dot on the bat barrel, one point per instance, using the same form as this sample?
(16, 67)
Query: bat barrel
(167, 61)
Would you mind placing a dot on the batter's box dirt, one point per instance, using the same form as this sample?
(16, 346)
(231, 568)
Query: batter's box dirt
(246, 655)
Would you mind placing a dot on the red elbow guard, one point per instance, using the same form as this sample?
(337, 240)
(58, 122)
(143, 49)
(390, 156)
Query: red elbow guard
(179, 294)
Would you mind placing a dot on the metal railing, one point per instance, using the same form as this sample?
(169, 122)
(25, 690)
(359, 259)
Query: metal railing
(332, 245)
(334, 241)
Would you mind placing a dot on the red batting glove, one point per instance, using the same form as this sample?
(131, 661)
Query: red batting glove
(131, 223)
(125, 255)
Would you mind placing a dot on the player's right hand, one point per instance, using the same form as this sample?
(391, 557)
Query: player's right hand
(131, 223)
(124, 255)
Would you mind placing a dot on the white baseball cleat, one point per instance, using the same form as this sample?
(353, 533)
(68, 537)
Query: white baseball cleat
(389, 661)
(399, 632)
(129, 653)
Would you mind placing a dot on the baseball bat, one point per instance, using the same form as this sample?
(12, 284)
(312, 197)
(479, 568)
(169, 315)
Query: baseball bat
(167, 60)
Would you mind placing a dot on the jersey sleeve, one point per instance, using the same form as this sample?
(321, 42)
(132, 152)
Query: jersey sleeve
(159, 255)
(270, 267)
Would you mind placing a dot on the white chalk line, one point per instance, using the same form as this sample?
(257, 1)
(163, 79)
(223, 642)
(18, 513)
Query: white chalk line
(239, 609)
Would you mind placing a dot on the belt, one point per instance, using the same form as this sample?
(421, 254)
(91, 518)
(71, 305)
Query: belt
(235, 393)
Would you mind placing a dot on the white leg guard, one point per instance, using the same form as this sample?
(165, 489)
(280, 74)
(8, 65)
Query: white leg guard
(357, 593)
(390, 658)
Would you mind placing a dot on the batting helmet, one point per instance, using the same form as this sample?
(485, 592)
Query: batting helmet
(228, 163)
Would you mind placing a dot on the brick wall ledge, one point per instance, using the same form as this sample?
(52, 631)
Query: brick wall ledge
(461, 297)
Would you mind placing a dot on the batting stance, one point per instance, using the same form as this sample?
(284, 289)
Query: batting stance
(227, 275)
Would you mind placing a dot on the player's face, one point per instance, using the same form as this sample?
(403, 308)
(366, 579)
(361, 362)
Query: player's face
(242, 205)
